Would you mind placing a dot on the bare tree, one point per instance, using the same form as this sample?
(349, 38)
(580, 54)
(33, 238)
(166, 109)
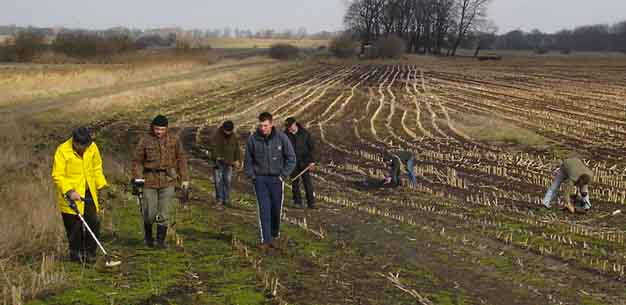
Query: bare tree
(470, 14)
(427, 26)
(363, 16)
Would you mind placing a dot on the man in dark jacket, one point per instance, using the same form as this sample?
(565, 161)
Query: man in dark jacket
(578, 177)
(305, 149)
(224, 154)
(269, 160)
(395, 161)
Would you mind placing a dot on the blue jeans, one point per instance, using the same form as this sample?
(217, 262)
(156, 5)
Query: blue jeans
(222, 176)
(410, 170)
(554, 188)
(269, 194)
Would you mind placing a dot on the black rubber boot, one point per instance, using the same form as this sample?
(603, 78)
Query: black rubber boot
(147, 229)
(161, 234)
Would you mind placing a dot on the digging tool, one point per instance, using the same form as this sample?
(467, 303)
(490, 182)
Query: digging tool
(108, 262)
(302, 173)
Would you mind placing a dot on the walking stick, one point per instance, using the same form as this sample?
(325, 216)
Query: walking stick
(301, 173)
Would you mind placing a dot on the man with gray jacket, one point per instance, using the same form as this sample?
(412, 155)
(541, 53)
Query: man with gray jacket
(269, 160)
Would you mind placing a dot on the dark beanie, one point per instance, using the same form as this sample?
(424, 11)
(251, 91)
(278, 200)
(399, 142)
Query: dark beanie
(160, 121)
(82, 136)
(289, 122)
(228, 126)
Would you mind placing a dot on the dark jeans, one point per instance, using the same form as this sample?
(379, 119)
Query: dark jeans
(308, 188)
(269, 194)
(222, 176)
(80, 241)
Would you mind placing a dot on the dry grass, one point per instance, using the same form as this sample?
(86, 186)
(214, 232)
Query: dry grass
(21, 83)
(30, 225)
(247, 43)
(140, 98)
(496, 131)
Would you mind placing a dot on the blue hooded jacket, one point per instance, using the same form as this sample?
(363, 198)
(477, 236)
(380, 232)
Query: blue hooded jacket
(270, 155)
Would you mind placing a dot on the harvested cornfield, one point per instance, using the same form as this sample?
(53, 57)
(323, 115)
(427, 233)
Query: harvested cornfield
(486, 136)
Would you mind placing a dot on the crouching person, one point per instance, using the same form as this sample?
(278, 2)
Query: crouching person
(269, 160)
(395, 162)
(578, 177)
(159, 160)
(78, 176)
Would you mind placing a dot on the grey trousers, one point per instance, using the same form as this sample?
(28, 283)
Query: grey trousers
(156, 204)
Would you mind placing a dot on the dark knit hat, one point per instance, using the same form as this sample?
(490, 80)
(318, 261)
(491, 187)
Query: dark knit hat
(228, 126)
(160, 121)
(290, 121)
(82, 136)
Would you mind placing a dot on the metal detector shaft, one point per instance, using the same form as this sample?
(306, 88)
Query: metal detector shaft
(92, 234)
(73, 206)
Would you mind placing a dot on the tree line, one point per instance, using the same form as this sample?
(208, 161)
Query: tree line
(426, 26)
(588, 38)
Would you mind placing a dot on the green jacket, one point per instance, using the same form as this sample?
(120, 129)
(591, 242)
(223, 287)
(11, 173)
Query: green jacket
(225, 148)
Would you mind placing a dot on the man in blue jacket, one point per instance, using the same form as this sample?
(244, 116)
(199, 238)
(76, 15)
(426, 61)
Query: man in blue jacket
(269, 160)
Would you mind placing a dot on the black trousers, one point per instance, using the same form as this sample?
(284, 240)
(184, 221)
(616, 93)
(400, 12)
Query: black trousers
(79, 238)
(308, 187)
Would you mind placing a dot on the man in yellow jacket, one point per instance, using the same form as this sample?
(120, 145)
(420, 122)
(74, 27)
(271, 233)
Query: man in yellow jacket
(77, 174)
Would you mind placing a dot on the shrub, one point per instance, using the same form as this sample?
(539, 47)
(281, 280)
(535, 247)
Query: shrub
(26, 44)
(148, 41)
(390, 47)
(83, 44)
(343, 46)
(6, 53)
(284, 51)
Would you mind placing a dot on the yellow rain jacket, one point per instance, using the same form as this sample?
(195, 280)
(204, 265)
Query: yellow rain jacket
(71, 172)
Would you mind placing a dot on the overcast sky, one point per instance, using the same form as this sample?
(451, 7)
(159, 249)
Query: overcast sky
(315, 15)
(554, 15)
